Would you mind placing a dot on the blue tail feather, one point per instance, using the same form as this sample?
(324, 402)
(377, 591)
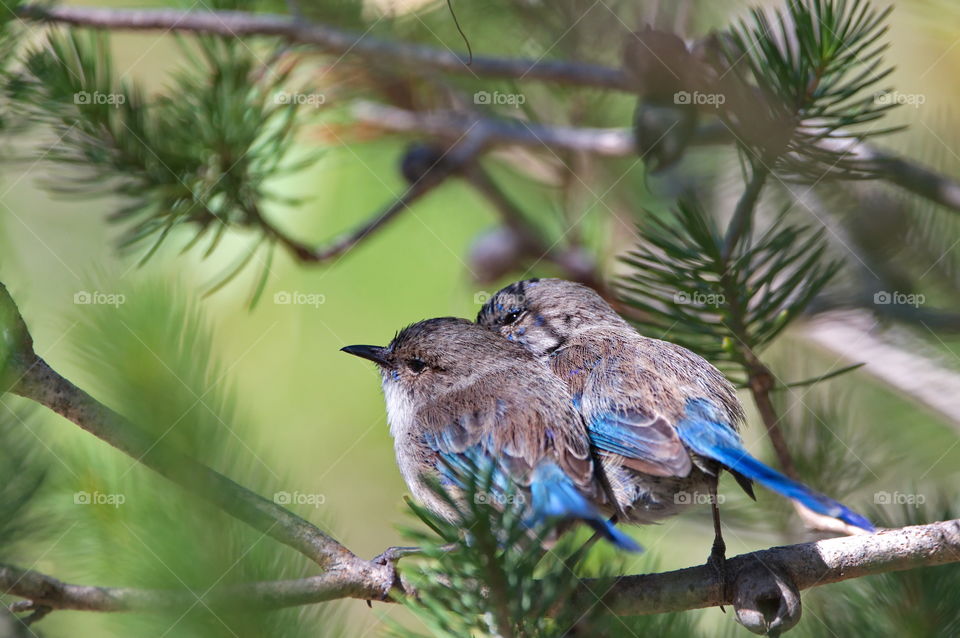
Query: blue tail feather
(555, 496)
(712, 439)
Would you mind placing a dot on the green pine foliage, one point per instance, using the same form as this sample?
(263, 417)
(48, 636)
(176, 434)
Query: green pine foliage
(200, 153)
(165, 377)
(198, 159)
(690, 293)
(485, 572)
(803, 75)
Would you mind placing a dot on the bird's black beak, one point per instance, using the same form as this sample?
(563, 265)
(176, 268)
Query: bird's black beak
(377, 354)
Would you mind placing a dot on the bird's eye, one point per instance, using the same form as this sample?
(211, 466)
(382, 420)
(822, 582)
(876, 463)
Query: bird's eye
(416, 365)
(510, 318)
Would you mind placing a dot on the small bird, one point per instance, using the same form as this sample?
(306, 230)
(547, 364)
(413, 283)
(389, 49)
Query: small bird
(461, 398)
(662, 420)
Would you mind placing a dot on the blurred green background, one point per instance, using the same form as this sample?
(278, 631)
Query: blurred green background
(266, 398)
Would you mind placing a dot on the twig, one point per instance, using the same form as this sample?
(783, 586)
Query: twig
(461, 153)
(742, 218)
(46, 592)
(572, 261)
(805, 565)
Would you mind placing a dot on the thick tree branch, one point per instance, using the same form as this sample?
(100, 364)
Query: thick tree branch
(805, 565)
(800, 566)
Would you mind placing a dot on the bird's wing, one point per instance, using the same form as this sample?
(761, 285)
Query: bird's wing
(628, 412)
(537, 442)
(475, 428)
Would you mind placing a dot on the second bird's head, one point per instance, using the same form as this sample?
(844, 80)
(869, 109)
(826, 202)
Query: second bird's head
(431, 355)
(541, 314)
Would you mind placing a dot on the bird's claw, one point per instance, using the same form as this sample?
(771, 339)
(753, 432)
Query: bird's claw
(388, 558)
(718, 560)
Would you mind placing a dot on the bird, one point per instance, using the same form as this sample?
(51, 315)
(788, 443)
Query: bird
(663, 421)
(461, 400)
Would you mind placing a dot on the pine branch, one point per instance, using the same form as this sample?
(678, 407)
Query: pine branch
(41, 590)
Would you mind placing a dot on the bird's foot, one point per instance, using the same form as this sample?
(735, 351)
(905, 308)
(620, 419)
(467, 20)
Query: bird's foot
(388, 558)
(718, 560)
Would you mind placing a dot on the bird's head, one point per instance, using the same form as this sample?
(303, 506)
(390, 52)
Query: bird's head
(427, 357)
(541, 314)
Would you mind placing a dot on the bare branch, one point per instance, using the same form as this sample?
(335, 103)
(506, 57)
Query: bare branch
(805, 565)
(42, 591)
(799, 566)
(239, 24)
(463, 150)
